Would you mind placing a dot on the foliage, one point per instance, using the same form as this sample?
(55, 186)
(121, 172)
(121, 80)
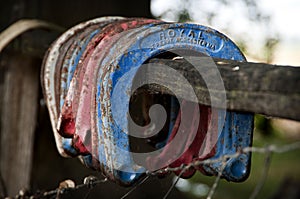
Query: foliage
(211, 13)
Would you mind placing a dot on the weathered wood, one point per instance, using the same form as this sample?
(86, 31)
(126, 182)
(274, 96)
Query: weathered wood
(2, 187)
(66, 13)
(22, 26)
(261, 88)
(19, 93)
(13, 162)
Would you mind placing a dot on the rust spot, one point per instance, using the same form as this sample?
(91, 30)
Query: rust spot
(67, 128)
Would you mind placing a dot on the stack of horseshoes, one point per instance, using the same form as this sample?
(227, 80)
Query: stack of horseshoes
(87, 73)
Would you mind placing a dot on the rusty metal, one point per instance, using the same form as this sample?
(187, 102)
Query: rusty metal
(136, 52)
(66, 124)
(72, 65)
(48, 82)
(85, 80)
(82, 75)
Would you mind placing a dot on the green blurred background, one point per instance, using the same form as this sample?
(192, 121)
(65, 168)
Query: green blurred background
(266, 31)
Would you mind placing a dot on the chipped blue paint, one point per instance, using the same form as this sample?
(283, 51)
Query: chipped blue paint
(71, 63)
(128, 53)
(144, 43)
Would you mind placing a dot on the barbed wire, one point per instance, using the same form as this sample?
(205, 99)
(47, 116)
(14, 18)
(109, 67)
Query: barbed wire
(68, 185)
(90, 182)
(264, 175)
(268, 150)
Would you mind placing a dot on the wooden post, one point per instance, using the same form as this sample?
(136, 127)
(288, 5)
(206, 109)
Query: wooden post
(19, 102)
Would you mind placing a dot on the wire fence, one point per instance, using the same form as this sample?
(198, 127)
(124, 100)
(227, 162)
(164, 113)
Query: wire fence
(90, 182)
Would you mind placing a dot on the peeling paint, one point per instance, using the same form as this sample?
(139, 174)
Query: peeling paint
(81, 71)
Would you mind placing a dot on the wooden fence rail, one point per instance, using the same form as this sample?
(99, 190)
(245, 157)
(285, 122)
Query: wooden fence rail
(267, 89)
